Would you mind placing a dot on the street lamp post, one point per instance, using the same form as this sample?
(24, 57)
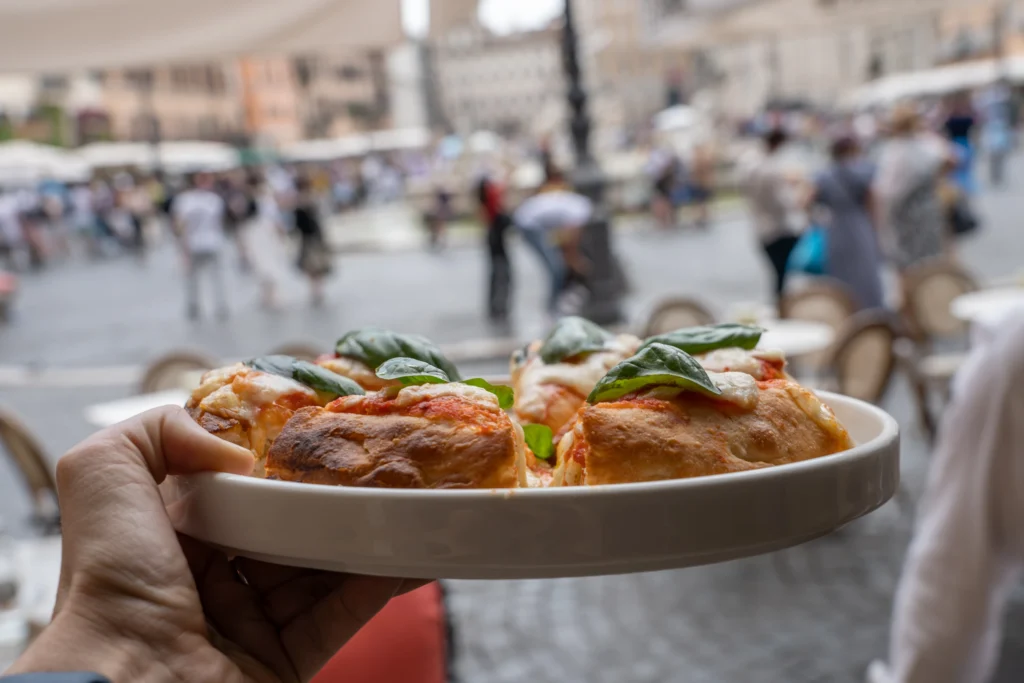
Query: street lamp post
(606, 278)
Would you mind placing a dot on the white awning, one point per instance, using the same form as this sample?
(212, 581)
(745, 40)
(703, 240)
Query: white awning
(24, 162)
(71, 35)
(327, 149)
(176, 156)
(939, 81)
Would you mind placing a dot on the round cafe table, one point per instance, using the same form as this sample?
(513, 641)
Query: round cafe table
(986, 310)
(106, 414)
(796, 338)
(987, 303)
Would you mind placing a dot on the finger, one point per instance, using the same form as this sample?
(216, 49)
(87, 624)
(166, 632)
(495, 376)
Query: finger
(234, 609)
(313, 637)
(111, 507)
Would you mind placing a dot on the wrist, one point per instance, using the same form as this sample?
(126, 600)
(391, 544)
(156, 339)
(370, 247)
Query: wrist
(75, 642)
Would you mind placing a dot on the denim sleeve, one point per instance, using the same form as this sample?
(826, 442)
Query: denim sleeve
(77, 677)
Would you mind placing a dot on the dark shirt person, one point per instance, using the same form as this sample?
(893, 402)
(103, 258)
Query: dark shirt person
(137, 602)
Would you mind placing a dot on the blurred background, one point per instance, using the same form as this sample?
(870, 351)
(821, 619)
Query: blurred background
(372, 158)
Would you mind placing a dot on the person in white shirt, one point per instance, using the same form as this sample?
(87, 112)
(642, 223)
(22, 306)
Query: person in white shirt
(968, 547)
(552, 223)
(774, 200)
(198, 215)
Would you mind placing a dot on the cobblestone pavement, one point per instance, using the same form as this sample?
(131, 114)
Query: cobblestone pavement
(815, 613)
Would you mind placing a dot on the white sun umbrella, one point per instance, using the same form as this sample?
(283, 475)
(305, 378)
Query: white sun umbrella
(399, 139)
(23, 162)
(101, 155)
(326, 149)
(185, 156)
(484, 142)
(72, 35)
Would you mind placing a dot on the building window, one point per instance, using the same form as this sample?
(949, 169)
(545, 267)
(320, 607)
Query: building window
(180, 77)
(349, 72)
(140, 79)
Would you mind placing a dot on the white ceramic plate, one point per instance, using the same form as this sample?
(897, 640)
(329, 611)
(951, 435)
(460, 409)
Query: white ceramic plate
(545, 533)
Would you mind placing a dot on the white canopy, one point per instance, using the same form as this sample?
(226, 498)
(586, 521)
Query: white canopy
(401, 138)
(23, 162)
(327, 149)
(938, 81)
(176, 157)
(71, 35)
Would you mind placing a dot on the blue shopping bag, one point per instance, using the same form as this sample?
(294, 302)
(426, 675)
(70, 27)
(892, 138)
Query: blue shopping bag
(810, 255)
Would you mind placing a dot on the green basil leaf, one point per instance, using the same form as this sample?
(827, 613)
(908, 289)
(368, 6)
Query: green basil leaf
(694, 340)
(273, 365)
(505, 396)
(374, 346)
(323, 381)
(656, 365)
(410, 371)
(541, 440)
(320, 380)
(571, 337)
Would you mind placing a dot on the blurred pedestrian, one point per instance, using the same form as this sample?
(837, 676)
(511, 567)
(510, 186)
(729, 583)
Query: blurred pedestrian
(997, 130)
(263, 234)
(774, 198)
(968, 547)
(960, 127)
(199, 215)
(666, 170)
(551, 223)
(13, 241)
(437, 218)
(701, 183)
(854, 256)
(491, 195)
(911, 165)
(314, 257)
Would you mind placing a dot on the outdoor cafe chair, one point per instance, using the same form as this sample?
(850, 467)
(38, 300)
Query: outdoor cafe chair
(175, 370)
(28, 456)
(929, 290)
(675, 313)
(300, 350)
(823, 300)
(862, 360)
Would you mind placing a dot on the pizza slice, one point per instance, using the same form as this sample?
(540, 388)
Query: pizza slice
(553, 377)
(661, 415)
(359, 353)
(428, 432)
(249, 403)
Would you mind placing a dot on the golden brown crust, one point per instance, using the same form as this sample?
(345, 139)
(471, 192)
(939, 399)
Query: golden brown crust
(692, 436)
(393, 450)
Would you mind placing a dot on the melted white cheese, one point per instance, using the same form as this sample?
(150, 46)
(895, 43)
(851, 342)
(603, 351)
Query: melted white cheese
(355, 370)
(735, 359)
(809, 402)
(424, 392)
(215, 379)
(737, 387)
(262, 388)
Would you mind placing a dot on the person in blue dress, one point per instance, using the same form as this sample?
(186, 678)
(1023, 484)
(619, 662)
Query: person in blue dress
(854, 256)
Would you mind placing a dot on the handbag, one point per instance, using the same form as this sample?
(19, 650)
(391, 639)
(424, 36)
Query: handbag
(810, 254)
(961, 216)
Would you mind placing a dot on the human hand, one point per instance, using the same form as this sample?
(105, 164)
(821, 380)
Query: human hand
(137, 602)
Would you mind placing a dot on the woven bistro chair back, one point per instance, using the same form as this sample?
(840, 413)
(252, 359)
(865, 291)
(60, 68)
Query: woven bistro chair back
(176, 370)
(676, 313)
(823, 301)
(30, 459)
(862, 360)
(928, 291)
(300, 350)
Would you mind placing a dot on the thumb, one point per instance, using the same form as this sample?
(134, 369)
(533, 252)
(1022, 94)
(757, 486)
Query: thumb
(107, 485)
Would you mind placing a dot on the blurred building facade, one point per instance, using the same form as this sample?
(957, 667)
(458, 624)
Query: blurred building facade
(270, 100)
(815, 51)
(197, 102)
(508, 84)
(341, 94)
